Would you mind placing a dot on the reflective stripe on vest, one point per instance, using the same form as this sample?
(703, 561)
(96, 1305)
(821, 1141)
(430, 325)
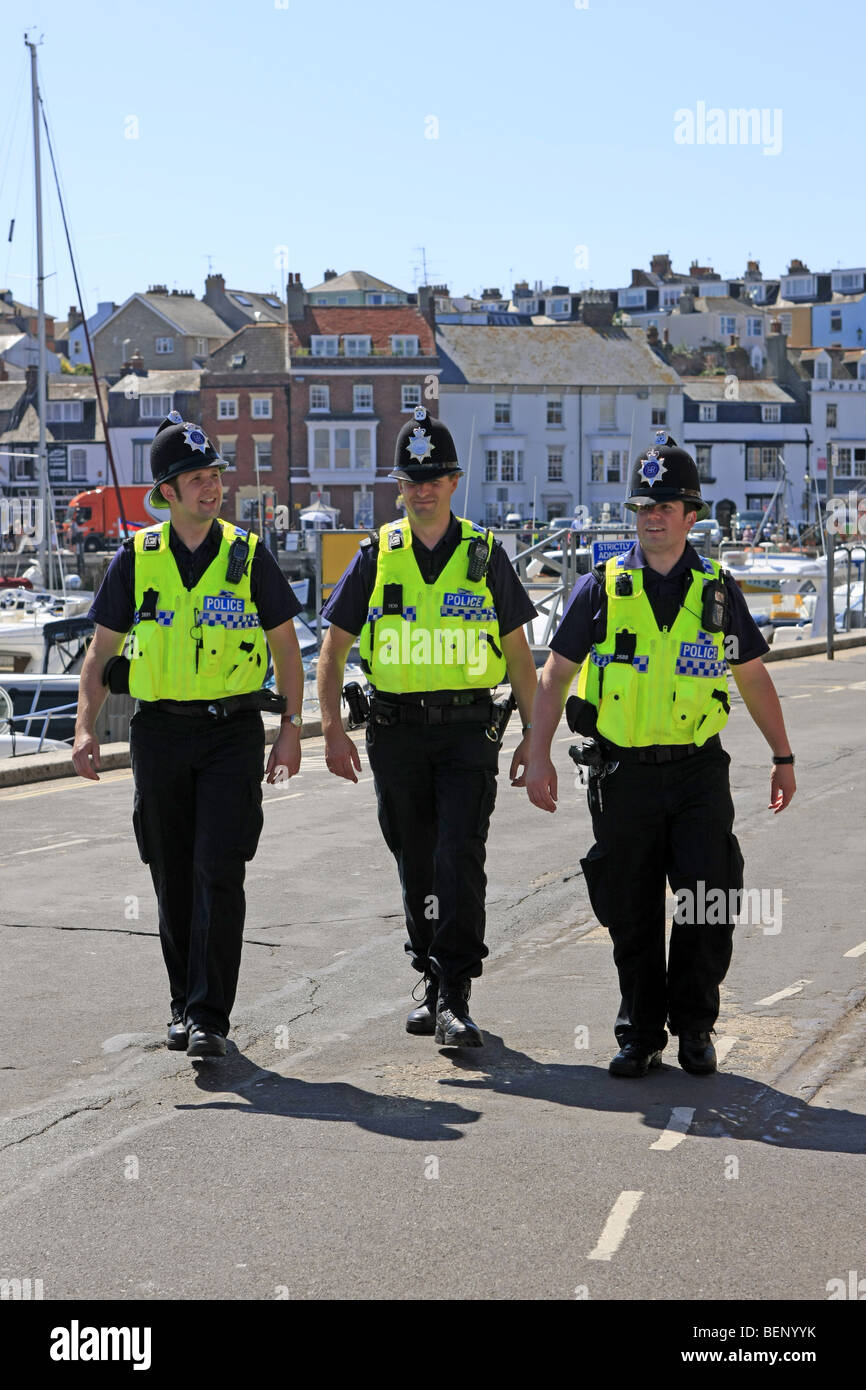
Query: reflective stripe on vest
(444, 635)
(652, 685)
(198, 644)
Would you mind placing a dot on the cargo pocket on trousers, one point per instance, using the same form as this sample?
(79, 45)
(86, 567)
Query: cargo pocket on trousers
(248, 840)
(596, 868)
(138, 828)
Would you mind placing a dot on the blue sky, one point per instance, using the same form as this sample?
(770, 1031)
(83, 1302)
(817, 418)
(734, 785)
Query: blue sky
(306, 126)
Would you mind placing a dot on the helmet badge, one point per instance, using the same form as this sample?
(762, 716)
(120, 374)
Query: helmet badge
(651, 468)
(195, 438)
(420, 445)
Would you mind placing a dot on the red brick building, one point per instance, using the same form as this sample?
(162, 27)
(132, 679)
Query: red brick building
(244, 411)
(356, 375)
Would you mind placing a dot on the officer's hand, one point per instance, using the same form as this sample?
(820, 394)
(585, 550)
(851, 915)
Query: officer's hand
(520, 760)
(85, 756)
(541, 784)
(782, 786)
(341, 756)
(285, 756)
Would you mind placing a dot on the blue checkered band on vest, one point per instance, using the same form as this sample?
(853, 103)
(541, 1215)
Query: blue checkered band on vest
(164, 616)
(640, 663)
(212, 619)
(698, 665)
(470, 615)
(410, 614)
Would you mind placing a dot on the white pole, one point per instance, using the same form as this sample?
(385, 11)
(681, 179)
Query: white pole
(45, 543)
(469, 467)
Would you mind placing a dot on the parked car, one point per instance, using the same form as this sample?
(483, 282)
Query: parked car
(705, 534)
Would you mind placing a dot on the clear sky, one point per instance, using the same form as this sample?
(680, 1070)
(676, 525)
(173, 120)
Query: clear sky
(500, 135)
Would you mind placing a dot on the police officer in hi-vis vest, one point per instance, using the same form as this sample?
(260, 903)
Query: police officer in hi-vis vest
(440, 614)
(193, 599)
(651, 634)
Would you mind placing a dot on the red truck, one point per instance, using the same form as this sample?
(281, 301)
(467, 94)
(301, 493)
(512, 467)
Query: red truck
(94, 516)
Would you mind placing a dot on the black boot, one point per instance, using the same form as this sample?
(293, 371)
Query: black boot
(697, 1054)
(454, 1027)
(423, 1019)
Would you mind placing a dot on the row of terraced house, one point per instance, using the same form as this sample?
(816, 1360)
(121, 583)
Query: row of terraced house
(548, 392)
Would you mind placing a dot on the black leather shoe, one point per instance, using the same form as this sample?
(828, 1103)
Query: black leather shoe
(634, 1060)
(177, 1035)
(423, 1019)
(454, 1027)
(205, 1042)
(697, 1054)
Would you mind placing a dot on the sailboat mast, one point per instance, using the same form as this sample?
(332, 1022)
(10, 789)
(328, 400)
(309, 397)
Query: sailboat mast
(45, 538)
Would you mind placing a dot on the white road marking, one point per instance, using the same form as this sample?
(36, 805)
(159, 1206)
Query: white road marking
(676, 1128)
(799, 697)
(724, 1046)
(784, 993)
(61, 844)
(857, 950)
(616, 1226)
(857, 685)
(287, 796)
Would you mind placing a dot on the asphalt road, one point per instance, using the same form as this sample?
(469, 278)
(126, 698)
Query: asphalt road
(331, 1155)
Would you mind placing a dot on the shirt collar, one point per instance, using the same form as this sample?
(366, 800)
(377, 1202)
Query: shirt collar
(689, 560)
(212, 538)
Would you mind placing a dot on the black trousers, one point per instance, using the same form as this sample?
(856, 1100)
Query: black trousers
(197, 820)
(436, 789)
(666, 821)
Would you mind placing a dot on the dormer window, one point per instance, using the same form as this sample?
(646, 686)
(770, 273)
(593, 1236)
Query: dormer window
(357, 344)
(404, 345)
(325, 345)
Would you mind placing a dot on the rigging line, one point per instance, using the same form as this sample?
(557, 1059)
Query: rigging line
(13, 126)
(16, 205)
(100, 404)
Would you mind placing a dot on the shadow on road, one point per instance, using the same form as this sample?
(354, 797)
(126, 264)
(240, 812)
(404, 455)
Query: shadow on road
(725, 1104)
(268, 1093)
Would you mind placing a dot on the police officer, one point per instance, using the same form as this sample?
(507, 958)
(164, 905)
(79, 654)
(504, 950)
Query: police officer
(651, 633)
(440, 615)
(196, 597)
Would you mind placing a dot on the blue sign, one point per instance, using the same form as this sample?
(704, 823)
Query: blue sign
(462, 599)
(604, 550)
(219, 603)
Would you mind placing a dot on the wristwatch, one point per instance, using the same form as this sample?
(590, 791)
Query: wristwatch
(294, 719)
(788, 759)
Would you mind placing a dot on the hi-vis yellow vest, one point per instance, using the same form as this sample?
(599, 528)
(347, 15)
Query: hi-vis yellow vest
(193, 644)
(439, 636)
(654, 685)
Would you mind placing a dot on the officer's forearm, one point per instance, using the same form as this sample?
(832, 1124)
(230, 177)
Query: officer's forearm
(755, 684)
(521, 674)
(553, 685)
(288, 667)
(92, 694)
(329, 678)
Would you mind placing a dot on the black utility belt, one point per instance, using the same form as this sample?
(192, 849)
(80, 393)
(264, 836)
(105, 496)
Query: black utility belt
(663, 752)
(428, 710)
(265, 700)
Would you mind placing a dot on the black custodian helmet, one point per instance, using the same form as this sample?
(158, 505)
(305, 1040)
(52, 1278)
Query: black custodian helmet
(424, 449)
(177, 447)
(666, 473)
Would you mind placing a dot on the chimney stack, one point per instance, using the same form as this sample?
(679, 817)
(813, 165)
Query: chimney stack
(596, 309)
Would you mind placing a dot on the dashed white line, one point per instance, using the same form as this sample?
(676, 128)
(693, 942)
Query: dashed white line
(724, 1046)
(61, 844)
(784, 993)
(676, 1128)
(616, 1226)
(857, 950)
